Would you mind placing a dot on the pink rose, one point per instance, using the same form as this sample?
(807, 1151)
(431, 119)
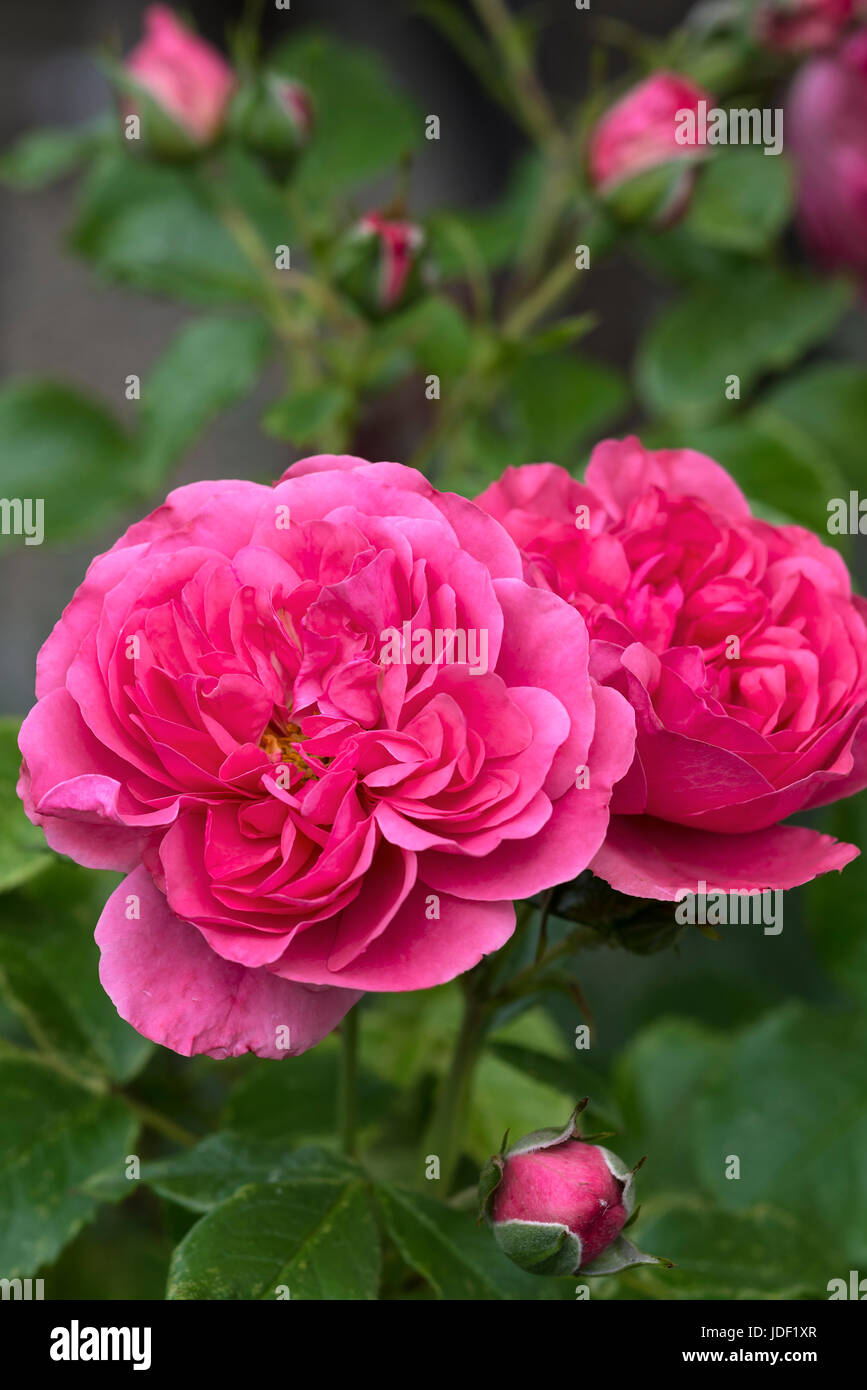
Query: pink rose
(796, 26)
(186, 77)
(640, 131)
(739, 645)
(826, 121)
(330, 732)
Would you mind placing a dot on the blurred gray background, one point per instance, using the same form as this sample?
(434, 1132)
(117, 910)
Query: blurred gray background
(60, 321)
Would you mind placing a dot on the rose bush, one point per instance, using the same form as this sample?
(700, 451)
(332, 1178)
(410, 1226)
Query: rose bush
(300, 818)
(738, 643)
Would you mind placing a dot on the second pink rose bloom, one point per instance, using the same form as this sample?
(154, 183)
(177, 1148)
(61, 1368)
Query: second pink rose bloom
(739, 645)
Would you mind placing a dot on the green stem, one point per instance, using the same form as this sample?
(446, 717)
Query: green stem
(532, 105)
(155, 1120)
(347, 1091)
(445, 1136)
(556, 283)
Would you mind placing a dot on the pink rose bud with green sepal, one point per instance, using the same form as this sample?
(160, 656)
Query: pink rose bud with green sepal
(558, 1203)
(380, 265)
(274, 118)
(636, 161)
(178, 84)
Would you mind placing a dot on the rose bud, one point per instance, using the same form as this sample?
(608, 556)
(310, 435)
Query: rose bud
(557, 1203)
(273, 116)
(636, 161)
(797, 26)
(826, 125)
(379, 266)
(178, 84)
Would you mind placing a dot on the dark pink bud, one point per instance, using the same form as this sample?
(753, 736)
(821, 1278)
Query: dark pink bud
(826, 132)
(571, 1184)
(640, 132)
(557, 1203)
(797, 26)
(380, 263)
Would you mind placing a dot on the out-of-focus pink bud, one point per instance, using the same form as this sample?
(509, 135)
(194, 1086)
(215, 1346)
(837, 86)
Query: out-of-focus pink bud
(799, 26)
(274, 117)
(639, 132)
(380, 263)
(826, 132)
(187, 80)
(636, 160)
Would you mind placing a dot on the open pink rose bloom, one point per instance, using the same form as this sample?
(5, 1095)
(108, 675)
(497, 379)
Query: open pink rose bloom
(739, 645)
(330, 731)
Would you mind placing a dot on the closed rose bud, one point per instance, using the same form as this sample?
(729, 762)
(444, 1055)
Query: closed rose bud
(380, 264)
(273, 116)
(826, 132)
(636, 160)
(557, 1203)
(798, 26)
(177, 84)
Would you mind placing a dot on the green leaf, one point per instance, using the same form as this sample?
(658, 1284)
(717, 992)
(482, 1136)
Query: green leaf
(302, 416)
(497, 232)
(23, 851)
(834, 914)
(548, 407)
(742, 200)
(560, 400)
(316, 1237)
(762, 1253)
(206, 1175)
(363, 125)
(41, 156)
(571, 1079)
(60, 447)
(455, 1256)
(157, 229)
(435, 335)
(49, 971)
(657, 1080)
(212, 363)
(760, 320)
(55, 1135)
(827, 406)
(296, 1099)
(791, 1104)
